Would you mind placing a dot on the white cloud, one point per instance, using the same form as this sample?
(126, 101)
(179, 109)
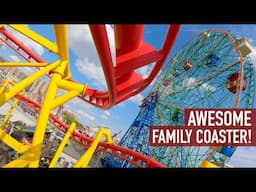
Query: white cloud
(26, 41)
(205, 86)
(137, 99)
(105, 115)
(111, 38)
(83, 114)
(80, 103)
(81, 43)
(88, 116)
(145, 70)
(77, 103)
(74, 101)
(14, 58)
(91, 70)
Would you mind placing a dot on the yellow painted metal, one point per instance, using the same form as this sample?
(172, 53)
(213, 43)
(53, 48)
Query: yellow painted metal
(4, 97)
(8, 114)
(23, 161)
(207, 164)
(35, 37)
(69, 85)
(21, 64)
(86, 157)
(15, 102)
(64, 98)
(6, 82)
(43, 118)
(60, 71)
(13, 143)
(31, 157)
(17, 163)
(62, 145)
(9, 81)
(45, 111)
(62, 46)
(61, 41)
(74, 89)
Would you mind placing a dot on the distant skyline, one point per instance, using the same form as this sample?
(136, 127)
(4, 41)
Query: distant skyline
(85, 68)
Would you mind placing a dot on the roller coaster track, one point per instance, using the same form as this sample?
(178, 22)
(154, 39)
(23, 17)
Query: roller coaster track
(122, 80)
(137, 159)
(131, 53)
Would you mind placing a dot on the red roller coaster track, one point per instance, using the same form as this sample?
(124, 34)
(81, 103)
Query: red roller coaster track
(137, 159)
(122, 80)
(131, 53)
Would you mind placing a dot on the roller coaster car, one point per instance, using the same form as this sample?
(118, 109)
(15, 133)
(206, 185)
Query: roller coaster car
(233, 84)
(187, 65)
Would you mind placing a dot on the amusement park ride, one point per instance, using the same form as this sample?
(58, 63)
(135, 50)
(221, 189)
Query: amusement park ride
(191, 73)
(212, 70)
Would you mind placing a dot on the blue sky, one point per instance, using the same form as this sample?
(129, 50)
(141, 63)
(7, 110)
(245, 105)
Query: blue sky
(86, 68)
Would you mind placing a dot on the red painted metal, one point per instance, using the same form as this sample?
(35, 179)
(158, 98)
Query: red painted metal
(6, 42)
(131, 156)
(100, 38)
(20, 46)
(131, 53)
(122, 80)
(128, 37)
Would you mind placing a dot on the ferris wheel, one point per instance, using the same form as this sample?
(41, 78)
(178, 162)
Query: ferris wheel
(213, 70)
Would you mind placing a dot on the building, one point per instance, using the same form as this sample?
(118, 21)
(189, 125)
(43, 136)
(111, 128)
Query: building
(37, 90)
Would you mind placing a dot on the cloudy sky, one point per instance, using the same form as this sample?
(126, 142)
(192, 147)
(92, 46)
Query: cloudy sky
(86, 68)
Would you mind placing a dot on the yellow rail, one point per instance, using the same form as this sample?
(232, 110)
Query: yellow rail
(86, 157)
(62, 145)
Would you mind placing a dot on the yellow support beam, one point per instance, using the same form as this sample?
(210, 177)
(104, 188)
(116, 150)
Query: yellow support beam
(36, 37)
(62, 46)
(60, 71)
(86, 157)
(43, 119)
(64, 98)
(8, 114)
(74, 89)
(61, 41)
(2, 89)
(4, 97)
(22, 64)
(23, 161)
(9, 81)
(15, 102)
(62, 145)
(69, 85)
(44, 114)
(17, 163)
(13, 143)
(207, 164)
